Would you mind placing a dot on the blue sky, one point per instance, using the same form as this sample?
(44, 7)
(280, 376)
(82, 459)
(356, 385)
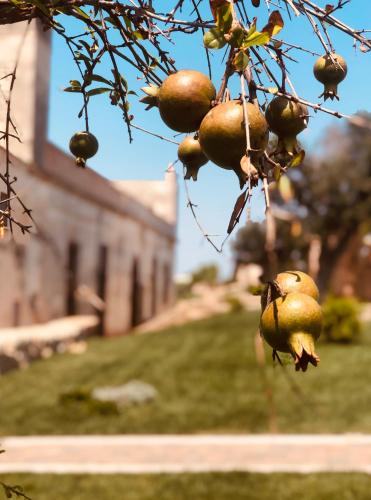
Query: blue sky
(147, 157)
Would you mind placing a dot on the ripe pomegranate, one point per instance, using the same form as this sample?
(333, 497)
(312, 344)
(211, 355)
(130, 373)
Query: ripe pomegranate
(297, 281)
(222, 135)
(83, 145)
(292, 324)
(286, 119)
(330, 70)
(192, 156)
(183, 99)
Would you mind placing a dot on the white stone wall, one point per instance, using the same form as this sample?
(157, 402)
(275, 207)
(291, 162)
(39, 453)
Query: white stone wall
(33, 268)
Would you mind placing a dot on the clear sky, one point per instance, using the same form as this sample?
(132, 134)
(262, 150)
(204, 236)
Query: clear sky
(147, 157)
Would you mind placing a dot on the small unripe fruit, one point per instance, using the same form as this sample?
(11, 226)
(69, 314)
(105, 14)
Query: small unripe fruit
(83, 145)
(192, 156)
(286, 119)
(330, 70)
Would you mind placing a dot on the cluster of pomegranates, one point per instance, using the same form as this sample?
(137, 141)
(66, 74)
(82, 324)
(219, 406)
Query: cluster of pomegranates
(187, 103)
(291, 319)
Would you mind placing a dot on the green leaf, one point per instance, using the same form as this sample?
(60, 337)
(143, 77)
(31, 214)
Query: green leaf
(75, 83)
(72, 89)
(97, 91)
(240, 61)
(214, 39)
(98, 78)
(297, 159)
(80, 12)
(256, 38)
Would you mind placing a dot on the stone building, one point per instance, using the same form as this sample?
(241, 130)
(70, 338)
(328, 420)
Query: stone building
(98, 246)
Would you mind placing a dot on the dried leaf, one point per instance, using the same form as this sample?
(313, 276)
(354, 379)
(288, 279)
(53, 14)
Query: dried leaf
(272, 90)
(237, 210)
(329, 8)
(245, 164)
(275, 24)
(285, 188)
(255, 3)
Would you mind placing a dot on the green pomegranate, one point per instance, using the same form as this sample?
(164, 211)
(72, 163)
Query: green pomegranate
(192, 156)
(330, 70)
(222, 135)
(183, 99)
(297, 281)
(292, 324)
(286, 119)
(83, 145)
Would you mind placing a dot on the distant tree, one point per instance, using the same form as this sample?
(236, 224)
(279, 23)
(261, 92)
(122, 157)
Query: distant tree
(206, 274)
(329, 198)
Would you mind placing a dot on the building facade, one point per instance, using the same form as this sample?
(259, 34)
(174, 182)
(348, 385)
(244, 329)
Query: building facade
(97, 246)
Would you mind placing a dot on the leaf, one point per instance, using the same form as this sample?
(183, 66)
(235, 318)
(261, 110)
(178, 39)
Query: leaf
(245, 164)
(275, 24)
(101, 79)
(329, 8)
(237, 210)
(297, 160)
(224, 18)
(215, 5)
(75, 83)
(240, 61)
(80, 12)
(257, 38)
(285, 188)
(72, 89)
(97, 91)
(214, 39)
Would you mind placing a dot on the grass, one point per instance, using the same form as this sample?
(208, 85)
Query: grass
(208, 381)
(236, 486)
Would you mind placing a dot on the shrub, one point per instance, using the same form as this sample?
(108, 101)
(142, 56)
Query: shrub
(81, 400)
(234, 303)
(340, 319)
(206, 274)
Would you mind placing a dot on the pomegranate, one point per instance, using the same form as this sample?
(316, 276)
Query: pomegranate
(292, 324)
(83, 145)
(330, 70)
(192, 156)
(222, 135)
(183, 99)
(286, 119)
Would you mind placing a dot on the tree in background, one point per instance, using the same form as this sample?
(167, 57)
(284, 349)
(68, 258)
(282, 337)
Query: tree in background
(323, 204)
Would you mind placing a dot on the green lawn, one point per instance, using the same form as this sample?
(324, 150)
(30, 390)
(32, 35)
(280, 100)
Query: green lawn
(236, 486)
(208, 381)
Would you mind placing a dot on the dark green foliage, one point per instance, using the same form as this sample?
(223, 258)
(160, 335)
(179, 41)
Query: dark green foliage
(340, 319)
(81, 401)
(236, 486)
